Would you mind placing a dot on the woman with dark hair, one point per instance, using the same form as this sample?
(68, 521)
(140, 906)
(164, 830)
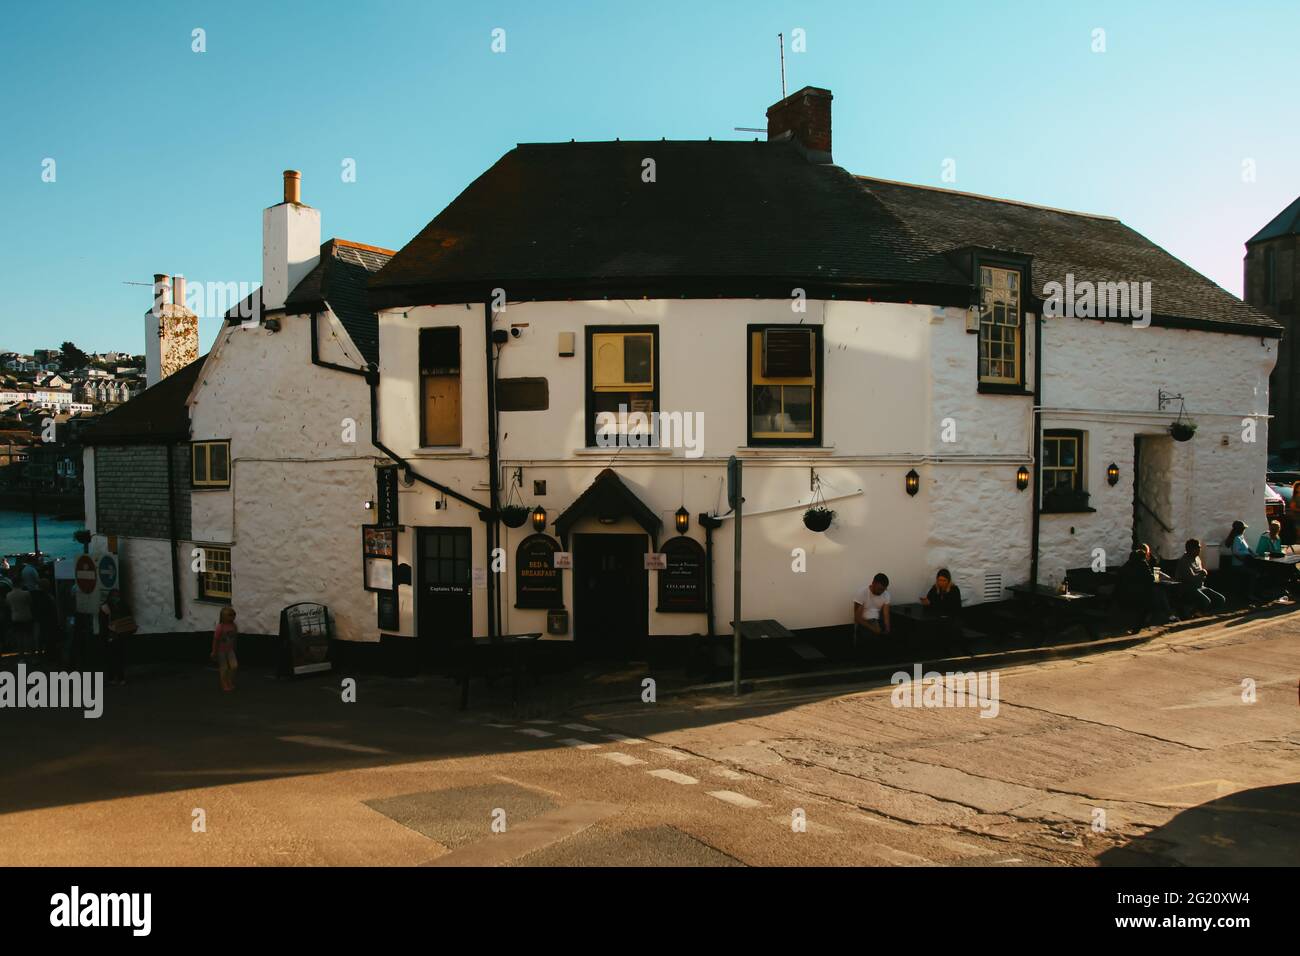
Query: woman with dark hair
(1235, 560)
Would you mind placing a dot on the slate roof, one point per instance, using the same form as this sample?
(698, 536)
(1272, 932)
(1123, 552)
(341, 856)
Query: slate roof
(339, 280)
(559, 220)
(756, 219)
(1091, 248)
(156, 416)
(1285, 223)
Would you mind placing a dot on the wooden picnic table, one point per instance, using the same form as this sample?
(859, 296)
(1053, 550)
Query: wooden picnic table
(1059, 609)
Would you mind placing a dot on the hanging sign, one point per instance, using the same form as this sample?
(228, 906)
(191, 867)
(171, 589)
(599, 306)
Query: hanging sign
(386, 496)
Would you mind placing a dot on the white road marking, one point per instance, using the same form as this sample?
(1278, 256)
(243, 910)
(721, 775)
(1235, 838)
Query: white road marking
(534, 732)
(575, 742)
(675, 754)
(735, 799)
(501, 726)
(625, 740)
(727, 774)
(539, 721)
(584, 728)
(672, 775)
(627, 760)
(331, 743)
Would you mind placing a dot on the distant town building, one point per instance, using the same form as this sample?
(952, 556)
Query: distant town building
(1272, 282)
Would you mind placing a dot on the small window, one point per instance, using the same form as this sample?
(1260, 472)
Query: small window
(215, 581)
(210, 464)
(1062, 471)
(783, 396)
(999, 333)
(622, 387)
(440, 387)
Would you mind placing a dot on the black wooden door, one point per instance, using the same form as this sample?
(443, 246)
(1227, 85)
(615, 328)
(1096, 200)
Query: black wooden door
(444, 596)
(611, 595)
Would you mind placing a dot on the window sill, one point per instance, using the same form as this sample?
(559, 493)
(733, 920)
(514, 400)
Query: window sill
(622, 450)
(209, 487)
(215, 602)
(442, 451)
(821, 451)
(1067, 511)
(998, 388)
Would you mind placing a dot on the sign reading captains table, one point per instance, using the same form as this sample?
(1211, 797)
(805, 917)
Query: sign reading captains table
(538, 581)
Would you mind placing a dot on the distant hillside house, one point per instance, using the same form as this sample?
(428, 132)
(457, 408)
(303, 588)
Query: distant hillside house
(901, 353)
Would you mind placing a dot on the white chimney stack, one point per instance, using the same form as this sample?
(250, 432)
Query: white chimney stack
(290, 243)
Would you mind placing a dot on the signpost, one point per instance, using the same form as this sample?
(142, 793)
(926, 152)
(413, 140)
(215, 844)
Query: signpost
(87, 578)
(737, 501)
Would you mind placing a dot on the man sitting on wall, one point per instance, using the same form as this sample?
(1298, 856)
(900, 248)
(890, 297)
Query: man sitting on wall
(871, 606)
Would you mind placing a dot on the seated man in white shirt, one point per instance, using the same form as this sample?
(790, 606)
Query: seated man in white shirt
(871, 606)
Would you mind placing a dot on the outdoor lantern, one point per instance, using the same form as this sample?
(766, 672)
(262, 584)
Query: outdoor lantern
(912, 482)
(1022, 478)
(1112, 473)
(539, 519)
(683, 520)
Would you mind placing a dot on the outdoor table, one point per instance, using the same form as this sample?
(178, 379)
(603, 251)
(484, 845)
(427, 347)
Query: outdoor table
(1058, 608)
(514, 645)
(927, 620)
(1279, 569)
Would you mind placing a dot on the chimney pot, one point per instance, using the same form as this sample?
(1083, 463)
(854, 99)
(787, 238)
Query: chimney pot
(292, 186)
(178, 290)
(162, 289)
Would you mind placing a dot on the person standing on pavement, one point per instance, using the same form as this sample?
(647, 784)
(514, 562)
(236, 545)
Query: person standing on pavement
(223, 648)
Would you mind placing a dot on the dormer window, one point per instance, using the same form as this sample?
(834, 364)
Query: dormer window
(1000, 346)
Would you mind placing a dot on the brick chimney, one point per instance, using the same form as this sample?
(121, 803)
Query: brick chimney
(290, 243)
(805, 117)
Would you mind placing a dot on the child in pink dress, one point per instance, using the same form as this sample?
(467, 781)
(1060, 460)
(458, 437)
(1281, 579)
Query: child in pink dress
(223, 648)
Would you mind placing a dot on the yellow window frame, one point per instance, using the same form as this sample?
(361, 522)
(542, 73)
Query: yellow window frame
(757, 378)
(1075, 471)
(609, 382)
(216, 581)
(203, 449)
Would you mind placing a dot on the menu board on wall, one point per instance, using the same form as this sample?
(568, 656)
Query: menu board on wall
(538, 582)
(683, 582)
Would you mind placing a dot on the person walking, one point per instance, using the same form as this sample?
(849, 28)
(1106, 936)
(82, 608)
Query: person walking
(117, 625)
(223, 648)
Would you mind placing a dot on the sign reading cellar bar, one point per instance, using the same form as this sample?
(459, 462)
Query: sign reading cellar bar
(538, 582)
(682, 582)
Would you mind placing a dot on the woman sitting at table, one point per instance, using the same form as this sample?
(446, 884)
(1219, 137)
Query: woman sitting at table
(1236, 563)
(1270, 543)
(944, 597)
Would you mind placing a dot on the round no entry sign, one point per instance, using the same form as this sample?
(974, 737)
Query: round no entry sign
(85, 573)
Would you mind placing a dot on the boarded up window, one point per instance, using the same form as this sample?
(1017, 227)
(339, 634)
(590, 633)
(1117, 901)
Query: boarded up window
(440, 385)
(523, 395)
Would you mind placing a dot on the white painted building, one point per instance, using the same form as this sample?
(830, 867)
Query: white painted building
(837, 334)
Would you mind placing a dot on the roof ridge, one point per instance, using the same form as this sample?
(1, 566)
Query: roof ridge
(1009, 202)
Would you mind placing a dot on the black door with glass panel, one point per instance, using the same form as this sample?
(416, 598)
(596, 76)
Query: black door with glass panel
(444, 596)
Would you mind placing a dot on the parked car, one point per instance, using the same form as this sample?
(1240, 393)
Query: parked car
(1275, 502)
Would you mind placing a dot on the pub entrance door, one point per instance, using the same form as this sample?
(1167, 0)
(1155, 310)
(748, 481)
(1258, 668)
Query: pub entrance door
(611, 595)
(444, 599)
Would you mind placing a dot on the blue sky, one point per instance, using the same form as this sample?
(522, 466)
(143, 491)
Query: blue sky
(166, 157)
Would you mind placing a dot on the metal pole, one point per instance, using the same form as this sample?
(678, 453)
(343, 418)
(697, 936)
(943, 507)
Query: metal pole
(735, 593)
(780, 39)
(36, 534)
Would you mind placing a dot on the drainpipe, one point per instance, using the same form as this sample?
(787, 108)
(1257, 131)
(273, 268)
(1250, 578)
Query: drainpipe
(171, 529)
(708, 522)
(492, 526)
(1038, 443)
(371, 374)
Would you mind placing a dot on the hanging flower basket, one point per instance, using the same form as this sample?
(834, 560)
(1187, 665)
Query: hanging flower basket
(1182, 430)
(514, 516)
(818, 519)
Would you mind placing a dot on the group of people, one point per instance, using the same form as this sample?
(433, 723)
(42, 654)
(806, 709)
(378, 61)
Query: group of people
(29, 615)
(871, 604)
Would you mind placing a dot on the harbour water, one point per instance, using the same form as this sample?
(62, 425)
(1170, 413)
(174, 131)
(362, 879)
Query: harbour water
(56, 536)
